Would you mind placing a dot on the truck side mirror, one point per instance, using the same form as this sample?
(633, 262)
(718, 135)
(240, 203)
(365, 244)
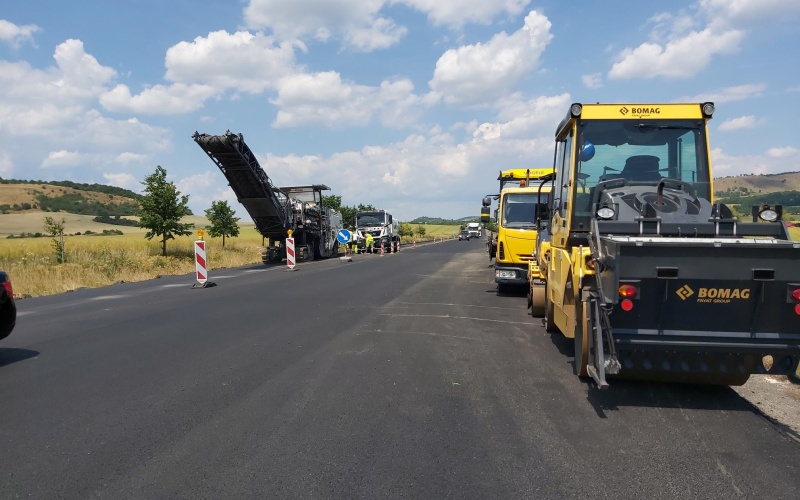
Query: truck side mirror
(485, 211)
(543, 211)
(487, 201)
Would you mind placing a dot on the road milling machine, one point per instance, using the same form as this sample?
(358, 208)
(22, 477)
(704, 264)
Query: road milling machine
(649, 276)
(275, 210)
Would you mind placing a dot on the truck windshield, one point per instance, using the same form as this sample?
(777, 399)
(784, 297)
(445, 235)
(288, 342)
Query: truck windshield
(520, 209)
(642, 152)
(367, 219)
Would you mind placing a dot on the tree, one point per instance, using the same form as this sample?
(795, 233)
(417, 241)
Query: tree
(161, 209)
(223, 222)
(405, 229)
(333, 201)
(420, 230)
(55, 230)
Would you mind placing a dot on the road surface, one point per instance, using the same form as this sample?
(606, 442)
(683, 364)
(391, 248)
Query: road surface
(397, 376)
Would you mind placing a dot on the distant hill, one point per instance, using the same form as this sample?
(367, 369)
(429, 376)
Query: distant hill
(65, 196)
(746, 191)
(757, 184)
(444, 222)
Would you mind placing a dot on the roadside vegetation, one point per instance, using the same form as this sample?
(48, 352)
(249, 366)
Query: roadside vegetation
(91, 261)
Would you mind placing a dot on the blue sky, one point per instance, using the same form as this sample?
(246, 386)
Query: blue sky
(408, 105)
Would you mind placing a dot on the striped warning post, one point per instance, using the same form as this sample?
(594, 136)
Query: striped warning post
(290, 256)
(200, 261)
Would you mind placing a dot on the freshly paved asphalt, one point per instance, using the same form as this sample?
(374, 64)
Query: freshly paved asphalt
(403, 376)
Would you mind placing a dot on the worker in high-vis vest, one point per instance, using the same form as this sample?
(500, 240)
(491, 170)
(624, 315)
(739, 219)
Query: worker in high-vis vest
(370, 242)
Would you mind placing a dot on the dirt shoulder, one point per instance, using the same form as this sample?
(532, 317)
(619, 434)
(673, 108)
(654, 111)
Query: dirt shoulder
(777, 397)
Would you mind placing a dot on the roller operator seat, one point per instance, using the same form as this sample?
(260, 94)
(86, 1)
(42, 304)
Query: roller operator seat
(641, 168)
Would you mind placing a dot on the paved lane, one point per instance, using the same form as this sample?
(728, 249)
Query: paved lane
(403, 376)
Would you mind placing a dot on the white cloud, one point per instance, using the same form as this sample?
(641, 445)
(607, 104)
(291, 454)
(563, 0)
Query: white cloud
(785, 152)
(728, 94)
(356, 22)
(246, 62)
(62, 158)
(593, 81)
(6, 165)
(742, 122)
(324, 99)
(414, 168)
(203, 181)
(128, 157)
(381, 34)
(456, 13)
(771, 161)
(482, 73)
(123, 180)
(361, 25)
(678, 48)
(174, 99)
(15, 35)
(748, 11)
(680, 58)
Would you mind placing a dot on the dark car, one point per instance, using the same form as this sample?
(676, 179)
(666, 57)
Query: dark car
(464, 235)
(8, 309)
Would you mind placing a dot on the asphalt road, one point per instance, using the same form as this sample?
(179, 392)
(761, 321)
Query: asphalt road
(402, 376)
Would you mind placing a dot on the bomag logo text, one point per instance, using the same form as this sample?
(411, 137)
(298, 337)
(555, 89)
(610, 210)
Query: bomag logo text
(713, 295)
(722, 295)
(646, 111)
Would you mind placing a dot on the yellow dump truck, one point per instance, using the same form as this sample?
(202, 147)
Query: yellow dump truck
(645, 272)
(523, 195)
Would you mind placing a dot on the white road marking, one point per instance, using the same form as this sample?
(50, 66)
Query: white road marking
(108, 297)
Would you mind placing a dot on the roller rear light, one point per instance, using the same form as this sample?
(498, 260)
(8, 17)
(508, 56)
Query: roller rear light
(796, 296)
(627, 292)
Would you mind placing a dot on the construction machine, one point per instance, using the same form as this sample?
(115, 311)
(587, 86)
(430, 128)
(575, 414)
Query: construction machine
(512, 244)
(384, 229)
(275, 211)
(646, 273)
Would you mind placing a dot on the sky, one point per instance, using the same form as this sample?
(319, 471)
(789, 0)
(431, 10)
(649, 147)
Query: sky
(413, 106)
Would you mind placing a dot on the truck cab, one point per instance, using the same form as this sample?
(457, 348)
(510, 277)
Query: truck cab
(522, 198)
(381, 225)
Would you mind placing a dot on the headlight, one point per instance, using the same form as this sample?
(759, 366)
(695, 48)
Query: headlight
(575, 110)
(768, 215)
(708, 109)
(605, 213)
(503, 274)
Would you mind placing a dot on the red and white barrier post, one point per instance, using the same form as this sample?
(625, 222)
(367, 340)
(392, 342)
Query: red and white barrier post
(291, 258)
(201, 263)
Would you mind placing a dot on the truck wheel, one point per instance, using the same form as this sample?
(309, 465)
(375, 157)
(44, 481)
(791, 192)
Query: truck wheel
(581, 339)
(537, 300)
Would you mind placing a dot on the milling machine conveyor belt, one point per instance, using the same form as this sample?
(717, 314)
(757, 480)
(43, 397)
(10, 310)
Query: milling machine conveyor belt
(253, 188)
